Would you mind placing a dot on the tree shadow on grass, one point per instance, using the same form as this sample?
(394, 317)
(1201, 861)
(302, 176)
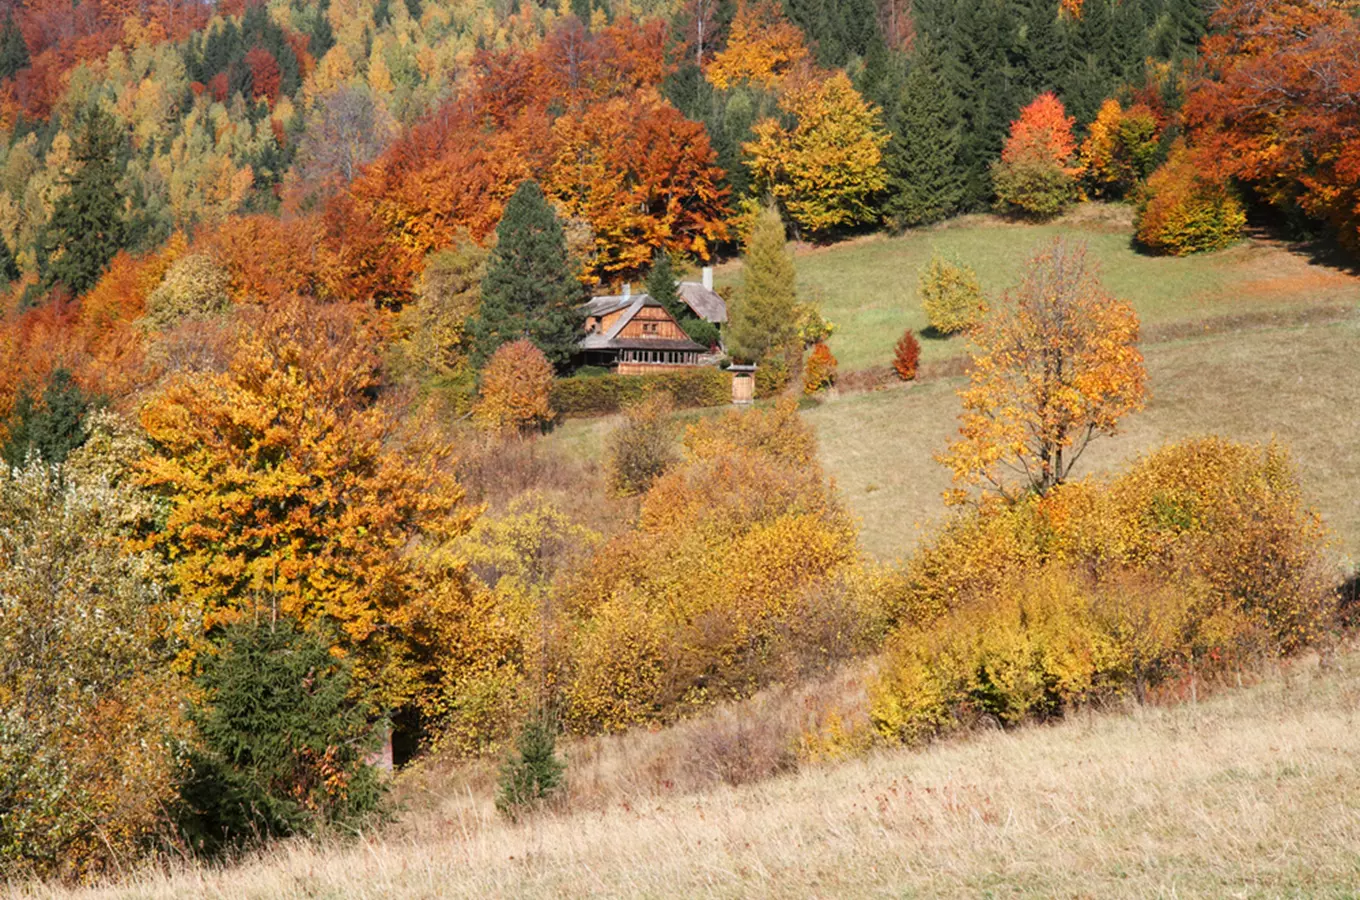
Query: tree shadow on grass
(931, 333)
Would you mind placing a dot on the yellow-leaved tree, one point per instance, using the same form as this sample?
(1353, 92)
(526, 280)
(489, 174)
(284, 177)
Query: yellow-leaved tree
(1054, 364)
(827, 167)
(288, 499)
(762, 46)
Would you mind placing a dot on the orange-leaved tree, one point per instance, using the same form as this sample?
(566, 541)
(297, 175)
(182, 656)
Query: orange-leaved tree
(1035, 175)
(1278, 105)
(1053, 365)
(907, 356)
(516, 385)
(287, 497)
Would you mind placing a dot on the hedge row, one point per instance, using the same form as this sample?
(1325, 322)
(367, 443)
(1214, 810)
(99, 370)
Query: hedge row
(604, 394)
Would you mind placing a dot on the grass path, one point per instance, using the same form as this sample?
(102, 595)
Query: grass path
(1252, 793)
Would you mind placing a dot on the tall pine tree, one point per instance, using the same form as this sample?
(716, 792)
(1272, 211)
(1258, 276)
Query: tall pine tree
(763, 317)
(922, 158)
(530, 289)
(87, 224)
(9, 269)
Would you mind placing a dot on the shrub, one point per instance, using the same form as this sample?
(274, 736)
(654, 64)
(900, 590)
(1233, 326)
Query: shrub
(1184, 210)
(701, 600)
(194, 287)
(1200, 555)
(644, 446)
(534, 773)
(282, 746)
(907, 356)
(820, 371)
(598, 395)
(1032, 187)
(950, 295)
(772, 376)
(516, 390)
(701, 331)
(88, 706)
(778, 432)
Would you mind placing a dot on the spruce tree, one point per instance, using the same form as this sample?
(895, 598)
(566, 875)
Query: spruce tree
(51, 430)
(530, 289)
(87, 227)
(1044, 50)
(763, 317)
(661, 287)
(13, 48)
(9, 269)
(922, 159)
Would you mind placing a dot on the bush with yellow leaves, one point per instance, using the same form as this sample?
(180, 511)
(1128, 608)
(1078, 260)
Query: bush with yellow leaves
(1201, 555)
(711, 594)
(951, 295)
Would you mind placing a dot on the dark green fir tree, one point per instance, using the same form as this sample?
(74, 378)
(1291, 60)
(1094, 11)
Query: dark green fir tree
(87, 224)
(922, 158)
(530, 289)
(13, 48)
(9, 269)
(661, 286)
(51, 429)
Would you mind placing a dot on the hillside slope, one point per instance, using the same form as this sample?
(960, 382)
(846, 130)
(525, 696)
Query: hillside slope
(1249, 793)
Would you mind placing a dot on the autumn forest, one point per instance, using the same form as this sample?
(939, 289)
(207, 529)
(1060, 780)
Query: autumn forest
(324, 481)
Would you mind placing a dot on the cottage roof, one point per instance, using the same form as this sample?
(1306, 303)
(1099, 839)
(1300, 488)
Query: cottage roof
(610, 340)
(706, 303)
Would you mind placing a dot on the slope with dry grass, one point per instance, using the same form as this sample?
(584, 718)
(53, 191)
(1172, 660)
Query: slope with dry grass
(1295, 383)
(1250, 793)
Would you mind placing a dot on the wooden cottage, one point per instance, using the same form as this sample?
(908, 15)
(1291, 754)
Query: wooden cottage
(633, 334)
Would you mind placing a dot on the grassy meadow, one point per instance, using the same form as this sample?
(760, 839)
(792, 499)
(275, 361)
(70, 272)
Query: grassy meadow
(868, 286)
(1298, 384)
(1245, 793)
(1255, 343)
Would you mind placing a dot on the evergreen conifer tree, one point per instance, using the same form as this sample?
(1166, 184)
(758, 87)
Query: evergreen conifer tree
(87, 224)
(922, 158)
(764, 315)
(1045, 51)
(661, 287)
(535, 772)
(530, 289)
(53, 429)
(281, 741)
(13, 48)
(9, 269)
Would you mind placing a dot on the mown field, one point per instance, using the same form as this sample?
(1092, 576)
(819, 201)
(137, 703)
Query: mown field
(1249, 793)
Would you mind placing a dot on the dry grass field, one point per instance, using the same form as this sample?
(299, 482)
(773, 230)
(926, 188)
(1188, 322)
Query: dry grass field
(1249, 793)
(1299, 384)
